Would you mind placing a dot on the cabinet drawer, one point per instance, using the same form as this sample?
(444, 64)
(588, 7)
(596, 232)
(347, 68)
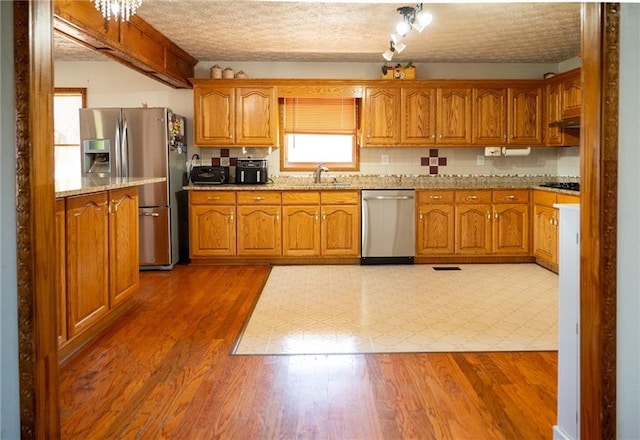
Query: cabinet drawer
(340, 197)
(439, 197)
(567, 198)
(482, 196)
(544, 198)
(300, 198)
(212, 197)
(258, 197)
(511, 196)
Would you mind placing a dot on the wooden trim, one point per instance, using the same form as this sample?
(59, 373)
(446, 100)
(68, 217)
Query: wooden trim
(599, 170)
(82, 91)
(35, 200)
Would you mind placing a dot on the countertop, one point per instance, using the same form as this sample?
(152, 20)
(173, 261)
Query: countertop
(87, 185)
(288, 183)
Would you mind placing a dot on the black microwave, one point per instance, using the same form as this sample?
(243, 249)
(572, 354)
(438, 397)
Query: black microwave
(209, 175)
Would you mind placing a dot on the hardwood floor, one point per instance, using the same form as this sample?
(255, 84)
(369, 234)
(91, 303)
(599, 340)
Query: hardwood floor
(164, 371)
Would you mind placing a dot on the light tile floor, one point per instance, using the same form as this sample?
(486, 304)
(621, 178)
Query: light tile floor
(381, 309)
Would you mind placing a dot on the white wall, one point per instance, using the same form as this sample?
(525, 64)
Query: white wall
(110, 84)
(9, 392)
(628, 350)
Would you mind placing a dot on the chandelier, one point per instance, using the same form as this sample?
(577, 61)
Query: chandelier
(121, 10)
(413, 17)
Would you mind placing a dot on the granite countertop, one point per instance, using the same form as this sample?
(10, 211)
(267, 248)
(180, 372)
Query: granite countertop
(87, 185)
(280, 183)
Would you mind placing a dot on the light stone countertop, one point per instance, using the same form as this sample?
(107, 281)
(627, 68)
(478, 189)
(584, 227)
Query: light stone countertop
(346, 182)
(87, 185)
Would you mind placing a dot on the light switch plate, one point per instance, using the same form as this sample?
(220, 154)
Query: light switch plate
(480, 159)
(384, 159)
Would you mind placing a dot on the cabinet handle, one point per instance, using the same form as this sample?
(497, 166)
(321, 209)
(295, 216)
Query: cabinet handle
(316, 218)
(488, 216)
(230, 218)
(324, 216)
(257, 199)
(551, 222)
(440, 136)
(433, 136)
(511, 197)
(495, 215)
(213, 198)
(511, 136)
(277, 218)
(230, 136)
(435, 197)
(472, 197)
(504, 137)
(421, 216)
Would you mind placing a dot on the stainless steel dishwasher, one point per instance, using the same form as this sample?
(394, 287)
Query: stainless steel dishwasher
(388, 226)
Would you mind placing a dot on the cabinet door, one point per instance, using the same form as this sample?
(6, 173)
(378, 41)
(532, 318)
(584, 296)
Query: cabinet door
(435, 229)
(418, 116)
(554, 110)
(382, 116)
(454, 116)
(511, 229)
(123, 245)
(259, 230)
(545, 232)
(87, 261)
(256, 116)
(212, 231)
(473, 229)
(214, 115)
(340, 230)
(489, 116)
(301, 231)
(572, 95)
(61, 272)
(525, 116)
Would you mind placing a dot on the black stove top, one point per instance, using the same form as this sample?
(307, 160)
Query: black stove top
(571, 186)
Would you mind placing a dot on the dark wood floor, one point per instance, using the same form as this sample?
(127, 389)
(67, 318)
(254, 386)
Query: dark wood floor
(164, 370)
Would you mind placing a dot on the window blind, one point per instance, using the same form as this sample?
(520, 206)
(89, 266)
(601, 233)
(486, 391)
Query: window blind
(320, 115)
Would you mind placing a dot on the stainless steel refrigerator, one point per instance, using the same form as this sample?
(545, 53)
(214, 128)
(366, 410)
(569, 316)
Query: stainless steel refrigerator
(142, 142)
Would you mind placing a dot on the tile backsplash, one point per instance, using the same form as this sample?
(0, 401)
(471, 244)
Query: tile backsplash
(425, 161)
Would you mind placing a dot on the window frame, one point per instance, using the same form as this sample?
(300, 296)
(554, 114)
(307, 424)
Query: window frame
(69, 91)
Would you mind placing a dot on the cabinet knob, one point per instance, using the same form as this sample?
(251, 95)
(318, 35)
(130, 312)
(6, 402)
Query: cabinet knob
(440, 136)
(488, 216)
(511, 136)
(230, 136)
(433, 136)
(230, 218)
(495, 215)
(504, 137)
(421, 216)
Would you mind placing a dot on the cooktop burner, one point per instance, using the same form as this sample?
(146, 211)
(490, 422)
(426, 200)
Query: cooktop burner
(571, 186)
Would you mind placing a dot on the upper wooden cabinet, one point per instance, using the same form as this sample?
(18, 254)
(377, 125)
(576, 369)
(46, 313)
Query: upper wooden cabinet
(572, 94)
(525, 116)
(490, 116)
(418, 116)
(135, 43)
(563, 101)
(381, 116)
(453, 116)
(243, 116)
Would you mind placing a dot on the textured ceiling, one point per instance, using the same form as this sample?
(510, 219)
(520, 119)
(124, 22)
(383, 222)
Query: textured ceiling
(248, 30)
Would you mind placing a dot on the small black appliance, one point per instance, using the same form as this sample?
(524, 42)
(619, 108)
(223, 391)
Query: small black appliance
(251, 171)
(209, 175)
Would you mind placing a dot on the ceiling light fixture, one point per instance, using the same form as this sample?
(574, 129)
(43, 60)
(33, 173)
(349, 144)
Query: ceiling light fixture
(388, 54)
(413, 17)
(121, 10)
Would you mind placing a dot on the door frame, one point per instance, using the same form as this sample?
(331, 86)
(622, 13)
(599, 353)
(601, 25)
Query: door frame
(39, 406)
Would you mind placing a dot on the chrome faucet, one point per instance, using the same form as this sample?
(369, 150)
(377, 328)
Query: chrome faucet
(319, 169)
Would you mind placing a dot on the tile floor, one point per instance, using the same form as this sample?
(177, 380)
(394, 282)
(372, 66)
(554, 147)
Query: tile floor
(382, 309)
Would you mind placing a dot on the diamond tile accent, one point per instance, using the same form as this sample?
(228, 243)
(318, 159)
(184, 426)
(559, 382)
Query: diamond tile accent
(367, 309)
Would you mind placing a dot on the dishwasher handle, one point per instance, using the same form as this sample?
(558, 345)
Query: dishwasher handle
(387, 198)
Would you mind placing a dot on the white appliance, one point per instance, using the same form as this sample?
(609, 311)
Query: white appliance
(142, 142)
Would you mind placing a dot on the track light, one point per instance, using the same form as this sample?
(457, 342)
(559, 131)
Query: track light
(388, 54)
(413, 17)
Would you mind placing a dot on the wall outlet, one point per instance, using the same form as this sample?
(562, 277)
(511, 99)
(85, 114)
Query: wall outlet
(224, 161)
(384, 159)
(480, 159)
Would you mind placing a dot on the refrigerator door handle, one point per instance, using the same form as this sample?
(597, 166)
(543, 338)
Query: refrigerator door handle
(150, 214)
(118, 151)
(125, 149)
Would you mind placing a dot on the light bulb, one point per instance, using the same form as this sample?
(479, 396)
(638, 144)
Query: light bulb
(403, 28)
(424, 18)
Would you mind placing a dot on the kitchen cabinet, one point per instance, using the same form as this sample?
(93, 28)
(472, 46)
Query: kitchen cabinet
(381, 116)
(561, 89)
(212, 227)
(340, 226)
(301, 223)
(525, 116)
(418, 116)
(61, 273)
(229, 115)
(259, 229)
(492, 222)
(435, 222)
(545, 226)
(101, 255)
(473, 222)
(490, 116)
(87, 236)
(453, 116)
(123, 245)
(571, 94)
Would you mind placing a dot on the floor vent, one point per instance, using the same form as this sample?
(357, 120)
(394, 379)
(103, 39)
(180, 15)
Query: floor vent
(446, 268)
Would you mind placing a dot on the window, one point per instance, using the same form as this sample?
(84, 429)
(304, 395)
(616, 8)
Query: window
(319, 130)
(66, 135)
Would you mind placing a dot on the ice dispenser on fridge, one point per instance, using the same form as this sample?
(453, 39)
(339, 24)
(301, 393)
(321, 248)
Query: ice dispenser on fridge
(96, 160)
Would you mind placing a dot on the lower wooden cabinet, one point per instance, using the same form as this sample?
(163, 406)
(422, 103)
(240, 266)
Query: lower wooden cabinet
(545, 225)
(340, 228)
(511, 222)
(435, 233)
(212, 225)
(97, 239)
(300, 223)
(259, 230)
(473, 222)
